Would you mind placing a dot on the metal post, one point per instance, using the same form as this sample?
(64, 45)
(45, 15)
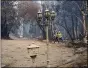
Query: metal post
(47, 46)
(47, 39)
(47, 34)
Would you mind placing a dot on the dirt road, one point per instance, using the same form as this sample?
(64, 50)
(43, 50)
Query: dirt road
(14, 53)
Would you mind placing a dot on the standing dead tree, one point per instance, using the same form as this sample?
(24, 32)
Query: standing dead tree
(75, 20)
(8, 20)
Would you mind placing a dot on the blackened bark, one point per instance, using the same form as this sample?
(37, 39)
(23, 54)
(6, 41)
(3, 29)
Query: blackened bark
(73, 27)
